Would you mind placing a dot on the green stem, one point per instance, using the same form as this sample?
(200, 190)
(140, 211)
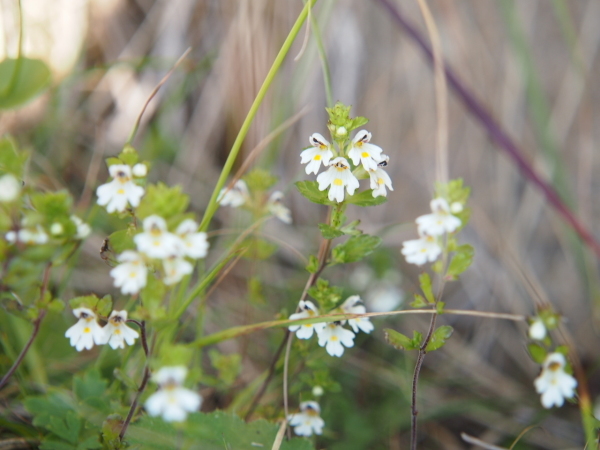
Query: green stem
(235, 149)
(323, 58)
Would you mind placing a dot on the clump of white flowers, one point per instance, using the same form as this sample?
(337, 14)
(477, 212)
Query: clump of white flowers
(431, 228)
(121, 191)
(554, 383)
(158, 243)
(234, 196)
(172, 401)
(333, 336)
(308, 421)
(87, 331)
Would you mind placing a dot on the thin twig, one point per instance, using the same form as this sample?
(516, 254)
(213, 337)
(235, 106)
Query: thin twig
(36, 328)
(306, 34)
(472, 440)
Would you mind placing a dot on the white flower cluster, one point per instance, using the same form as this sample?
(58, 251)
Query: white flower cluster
(431, 227)
(122, 190)
(554, 383)
(87, 331)
(308, 421)
(37, 235)
(333, 336)
(172, 401)
(238, 195)
(339, 176)
(157, 242)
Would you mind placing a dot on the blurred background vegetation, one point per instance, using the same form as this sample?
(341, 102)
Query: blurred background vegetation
(534, 64)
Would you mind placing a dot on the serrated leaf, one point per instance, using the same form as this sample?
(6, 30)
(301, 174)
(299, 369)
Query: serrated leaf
(21, 80)
(358, 122)
(354, 249)
(327, 296)
(313, 264)
(537, 352)
(461, 261)
(438, 338)
(439, 307)
(419, 301)
(329, 232)
(425, 283)
(89, 385)
(259, 180)
(365, 198)
(398, 340)
(66, 427)
(310, 190)
(215, 431)
(164, 201)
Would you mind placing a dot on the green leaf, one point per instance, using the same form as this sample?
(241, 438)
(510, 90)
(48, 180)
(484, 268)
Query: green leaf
(259, 180)
(358, 122)
(228, 366)
(122, 240)
(129, 155)
(11, 159)
(52, 444)
(89, 385)
(461, 261)
(66, 427)
(438, 338)
(327, 296)
(354, 249)
(21, 80)
(398, 340)
(215, 431)
(425, 282)
(329, 232)
(365, 198)
(313, 264)
(85, 301)
(419, 302)
(350, 229)
(153, 294)
(164, 201)
(439, 307)
(310, 190)
(537, 352)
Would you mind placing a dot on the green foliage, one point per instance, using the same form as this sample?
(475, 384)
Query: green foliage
(461, 261)
(350, 229)
(313, 264)
(425, 283)
(310, 190)
(129, 155)
(164, 201)
(339, 116)
(71, 419)
(228, 366)
(419, 301)
(152, 296)
(11, 159)
(259, 180)
(455, 192)
(21, 80)
(365, 198)
(329, 232)
(54, 207)
(537, 352)
(354, 249)
(401, 341)
(258, 248)
(327, 296)
(215, 431)
(85, 301)
(122, 240)
(438, 338)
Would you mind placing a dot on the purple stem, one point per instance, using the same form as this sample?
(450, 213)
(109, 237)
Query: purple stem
(497, 134)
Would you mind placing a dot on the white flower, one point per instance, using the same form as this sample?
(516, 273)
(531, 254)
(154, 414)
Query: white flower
(28, 236)
(537, 329)
(384, 297)
(140, 170)
(172, 401)
(333, 336)
(156, 241)
(234, 197)
(321, 152)
(317, 391)
(131, 274)
(10, 188)
(456, 207)
(353, 305)
(86, 331)
(337, 176)
(195, 244)
(116, 331)
(440, 221)
(175, 269)
(362, 151)
(83, 229)
(56, 229)
(422, 250)
(307, 310)
(278, 209)
(554, 383)
(116, 194)
(379, 181)
(307, 421)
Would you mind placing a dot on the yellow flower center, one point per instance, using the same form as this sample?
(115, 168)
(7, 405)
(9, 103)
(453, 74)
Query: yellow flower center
(317, 157)
(364, 154)
(87, 330)
(333, 338)
(338, 182)
(121, 191)
(380, 181)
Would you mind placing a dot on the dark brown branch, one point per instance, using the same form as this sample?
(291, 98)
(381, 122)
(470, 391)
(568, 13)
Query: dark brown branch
(36, 328)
